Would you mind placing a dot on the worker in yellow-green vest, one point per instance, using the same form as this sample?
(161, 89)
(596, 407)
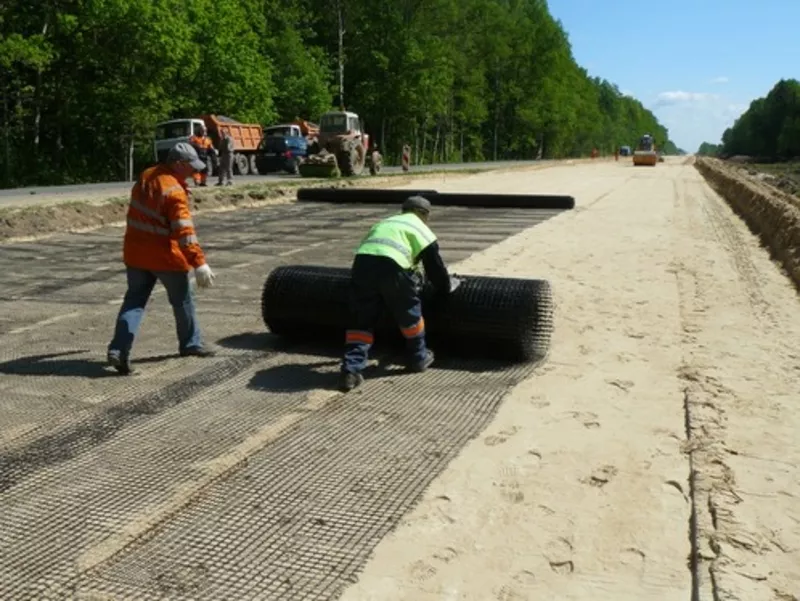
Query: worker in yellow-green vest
(384, 273)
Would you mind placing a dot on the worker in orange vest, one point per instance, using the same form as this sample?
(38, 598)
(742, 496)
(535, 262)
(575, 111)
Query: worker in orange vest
(206, 152)
(161, 244)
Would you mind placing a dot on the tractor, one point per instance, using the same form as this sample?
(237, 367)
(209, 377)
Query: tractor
(342, 147)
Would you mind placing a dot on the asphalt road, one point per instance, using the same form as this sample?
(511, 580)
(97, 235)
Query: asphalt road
(46, 194)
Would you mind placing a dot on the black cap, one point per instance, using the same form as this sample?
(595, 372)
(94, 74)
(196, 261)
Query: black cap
(417, 202)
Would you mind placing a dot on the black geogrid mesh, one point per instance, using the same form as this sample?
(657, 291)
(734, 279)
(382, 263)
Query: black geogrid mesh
(304, 516)
(83, 472)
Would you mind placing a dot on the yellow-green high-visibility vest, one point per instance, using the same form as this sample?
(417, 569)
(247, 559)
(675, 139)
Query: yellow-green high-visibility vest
(401, 238)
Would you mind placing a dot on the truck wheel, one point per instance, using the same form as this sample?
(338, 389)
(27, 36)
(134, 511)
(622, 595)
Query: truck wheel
(253, 165)
(241, 164)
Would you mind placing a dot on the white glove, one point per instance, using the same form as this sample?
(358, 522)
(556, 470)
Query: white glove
(204, 276)
(454, 283)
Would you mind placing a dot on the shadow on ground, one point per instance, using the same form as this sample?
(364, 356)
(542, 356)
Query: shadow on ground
(54, 364)
(388, 353)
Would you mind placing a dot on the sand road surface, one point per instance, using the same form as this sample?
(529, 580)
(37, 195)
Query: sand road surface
(655, 455)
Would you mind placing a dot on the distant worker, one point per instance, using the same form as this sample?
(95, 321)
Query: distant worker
(161, 244)
(226, 149)
(205, 151)
(384, 273)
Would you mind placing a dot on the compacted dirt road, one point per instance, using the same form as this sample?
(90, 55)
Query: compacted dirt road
(653, 456)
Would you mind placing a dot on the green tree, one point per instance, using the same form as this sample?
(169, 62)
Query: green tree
(84, 83)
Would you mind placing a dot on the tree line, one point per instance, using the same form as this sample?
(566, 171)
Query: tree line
(84, 82)
(769, 130)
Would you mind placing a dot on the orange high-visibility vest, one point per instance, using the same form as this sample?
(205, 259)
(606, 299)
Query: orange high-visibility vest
(202, 144)
(160, 234)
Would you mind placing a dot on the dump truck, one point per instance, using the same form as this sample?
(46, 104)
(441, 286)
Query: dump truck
(342, 147)
(246, 137)
(645, 153)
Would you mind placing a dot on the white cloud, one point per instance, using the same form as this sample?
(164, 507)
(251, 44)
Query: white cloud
(695, 117)
(720, 79)
(681, 97)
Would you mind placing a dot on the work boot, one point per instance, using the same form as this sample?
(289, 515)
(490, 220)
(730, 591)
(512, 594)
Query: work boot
(198, 351)
(121, 364)
(348, 381)
(424, 364)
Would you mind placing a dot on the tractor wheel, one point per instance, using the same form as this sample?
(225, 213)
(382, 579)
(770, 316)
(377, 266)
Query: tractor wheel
(348, 161)
(359, 157)
(241, 165)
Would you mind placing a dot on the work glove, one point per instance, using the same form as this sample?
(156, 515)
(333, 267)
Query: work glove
(454, 283)
(204, 276)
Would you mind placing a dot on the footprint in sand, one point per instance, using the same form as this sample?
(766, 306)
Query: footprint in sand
(635, 559)
(501, 437)
(421, 571)
(525, 578)
(509, 484)
(601, 476)
(625, 385)
(446, 555)
(588, 419)
(558, 553)
(508, 593)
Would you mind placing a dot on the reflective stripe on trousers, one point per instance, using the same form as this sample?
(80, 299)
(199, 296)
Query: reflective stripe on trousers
(416, 330)
(358, 337)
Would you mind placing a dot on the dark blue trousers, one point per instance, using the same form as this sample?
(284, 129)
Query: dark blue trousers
(377, 283)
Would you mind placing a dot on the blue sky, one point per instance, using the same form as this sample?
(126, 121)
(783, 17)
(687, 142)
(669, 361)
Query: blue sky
(697, 64)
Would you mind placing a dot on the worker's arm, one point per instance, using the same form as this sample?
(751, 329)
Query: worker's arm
(435, 269)
(182, 227)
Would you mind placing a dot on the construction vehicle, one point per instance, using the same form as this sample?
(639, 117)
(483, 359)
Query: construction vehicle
(246, 138)
(645, 153)
(341, 148)
(285, 146)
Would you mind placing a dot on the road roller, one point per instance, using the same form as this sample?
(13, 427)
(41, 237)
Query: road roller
(645, 153)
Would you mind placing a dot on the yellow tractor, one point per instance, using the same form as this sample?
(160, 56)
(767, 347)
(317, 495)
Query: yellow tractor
(645, 153)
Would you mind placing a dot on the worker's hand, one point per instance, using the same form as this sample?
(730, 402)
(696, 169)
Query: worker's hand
(204, 276)
(454, 283)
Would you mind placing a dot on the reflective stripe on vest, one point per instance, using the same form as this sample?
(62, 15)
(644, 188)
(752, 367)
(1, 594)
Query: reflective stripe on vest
(149, 212)
(147, 227)
(401, 238)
